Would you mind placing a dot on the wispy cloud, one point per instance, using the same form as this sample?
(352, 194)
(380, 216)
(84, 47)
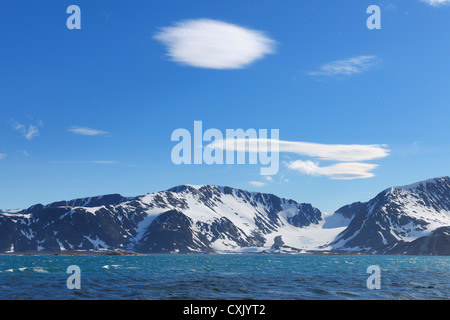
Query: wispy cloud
(20, 154)
(213, 44)
(339, 171)
(28, 132)
(2, 156)
(106, 162)
(436, 3)
(346, 67)
(86, 131)
(258, 184)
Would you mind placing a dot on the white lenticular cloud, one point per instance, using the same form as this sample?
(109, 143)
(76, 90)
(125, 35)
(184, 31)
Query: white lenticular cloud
(349, 157)
(437, 3)
(212, 44)
(339, 171)
(336, 152)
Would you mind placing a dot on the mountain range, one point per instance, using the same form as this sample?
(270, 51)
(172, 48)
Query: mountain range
(413, 219)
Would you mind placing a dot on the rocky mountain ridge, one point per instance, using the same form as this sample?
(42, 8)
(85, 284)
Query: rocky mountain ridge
(412, 219)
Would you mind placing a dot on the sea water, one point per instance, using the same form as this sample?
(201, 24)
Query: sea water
(229, 277)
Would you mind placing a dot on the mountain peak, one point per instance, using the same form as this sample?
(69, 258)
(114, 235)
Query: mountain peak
(443, 181)
(424, 183)
(192, 187)
(183, 187)
(88, 202)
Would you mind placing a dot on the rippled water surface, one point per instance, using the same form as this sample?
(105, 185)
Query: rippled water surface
(234, 277)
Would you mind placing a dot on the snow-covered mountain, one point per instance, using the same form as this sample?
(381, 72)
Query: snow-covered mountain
(205, 219)
(182, 219)
(396, 217)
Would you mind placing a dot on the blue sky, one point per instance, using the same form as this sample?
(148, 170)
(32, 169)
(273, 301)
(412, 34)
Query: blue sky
(91, 111)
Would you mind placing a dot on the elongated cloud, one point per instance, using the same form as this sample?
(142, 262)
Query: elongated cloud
(87, 162)
(257, 184)
(339, 171)
(206, 43)
(2, 156)
(337, 152)
(86, 131)
(348, 156)
(346, 67)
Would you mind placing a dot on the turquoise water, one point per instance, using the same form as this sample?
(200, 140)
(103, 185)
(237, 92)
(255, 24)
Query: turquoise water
(231, 277)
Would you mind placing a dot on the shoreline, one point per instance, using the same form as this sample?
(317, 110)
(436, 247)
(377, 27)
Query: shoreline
(129, 253)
